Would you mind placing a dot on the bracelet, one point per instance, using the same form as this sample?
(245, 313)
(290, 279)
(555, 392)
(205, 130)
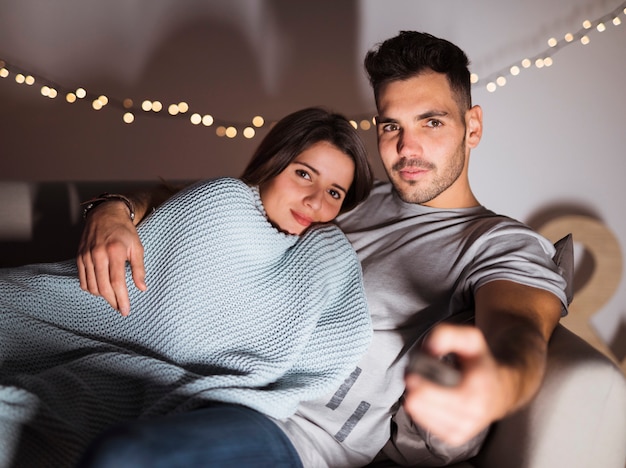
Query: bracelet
(105, 197)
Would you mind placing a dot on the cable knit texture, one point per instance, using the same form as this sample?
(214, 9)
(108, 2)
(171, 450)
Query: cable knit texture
(236, 311)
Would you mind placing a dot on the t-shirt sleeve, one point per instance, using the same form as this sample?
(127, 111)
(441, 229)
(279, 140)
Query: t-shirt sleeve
(516, 253)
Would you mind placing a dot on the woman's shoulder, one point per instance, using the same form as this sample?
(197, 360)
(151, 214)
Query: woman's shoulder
(221, 188)
(329, 239)
(221, 184)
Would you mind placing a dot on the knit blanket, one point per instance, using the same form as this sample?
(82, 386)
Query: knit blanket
(236, 311)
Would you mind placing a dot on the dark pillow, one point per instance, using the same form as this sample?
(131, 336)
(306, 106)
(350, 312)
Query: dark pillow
(564, 258)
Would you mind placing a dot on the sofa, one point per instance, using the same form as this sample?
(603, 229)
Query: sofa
(577, 419)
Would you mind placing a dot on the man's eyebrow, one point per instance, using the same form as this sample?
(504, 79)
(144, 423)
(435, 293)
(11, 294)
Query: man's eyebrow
(432, 113)
(318, 173)
(426, 115)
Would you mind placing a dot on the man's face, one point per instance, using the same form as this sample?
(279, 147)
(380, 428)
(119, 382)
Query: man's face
(422, 141)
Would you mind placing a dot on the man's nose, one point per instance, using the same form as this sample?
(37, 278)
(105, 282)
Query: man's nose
(409, 144)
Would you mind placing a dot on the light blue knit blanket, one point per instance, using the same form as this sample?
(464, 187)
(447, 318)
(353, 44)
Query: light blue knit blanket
(236, 311)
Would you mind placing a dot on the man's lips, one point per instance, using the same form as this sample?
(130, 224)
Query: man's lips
(301, 219)
(412, 169)
(412, 173)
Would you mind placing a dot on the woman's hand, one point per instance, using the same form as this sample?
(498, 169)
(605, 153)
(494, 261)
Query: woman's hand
(108, 241)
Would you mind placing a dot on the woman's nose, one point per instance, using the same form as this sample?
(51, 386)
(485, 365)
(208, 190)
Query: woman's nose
(314, 199)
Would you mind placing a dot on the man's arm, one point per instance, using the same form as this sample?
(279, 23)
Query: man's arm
(502, 360)
(109, 240)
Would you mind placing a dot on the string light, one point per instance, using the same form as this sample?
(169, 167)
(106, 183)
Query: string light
(544, 58)
(248, 130)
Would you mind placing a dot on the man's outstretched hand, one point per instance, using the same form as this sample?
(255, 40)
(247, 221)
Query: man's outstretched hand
(457, 414)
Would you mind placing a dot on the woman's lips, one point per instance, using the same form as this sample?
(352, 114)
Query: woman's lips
(301, 219)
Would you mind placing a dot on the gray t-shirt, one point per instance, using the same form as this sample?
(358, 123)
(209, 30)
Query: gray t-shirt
(421, 265)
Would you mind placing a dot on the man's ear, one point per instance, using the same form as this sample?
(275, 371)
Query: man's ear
(474, 126)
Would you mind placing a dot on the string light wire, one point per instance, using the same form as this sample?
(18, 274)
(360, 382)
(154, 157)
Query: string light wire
(232, 129)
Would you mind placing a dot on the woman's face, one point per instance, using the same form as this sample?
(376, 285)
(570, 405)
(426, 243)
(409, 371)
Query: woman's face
(311, 189)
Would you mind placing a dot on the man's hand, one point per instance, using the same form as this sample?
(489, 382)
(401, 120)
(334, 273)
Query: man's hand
(457, 414)
(108, 241)
(502, 360)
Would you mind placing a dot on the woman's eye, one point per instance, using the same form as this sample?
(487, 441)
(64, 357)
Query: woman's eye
(335, 194)
(302, 173)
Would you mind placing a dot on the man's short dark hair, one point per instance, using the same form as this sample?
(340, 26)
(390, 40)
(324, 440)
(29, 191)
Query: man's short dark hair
(411, 53)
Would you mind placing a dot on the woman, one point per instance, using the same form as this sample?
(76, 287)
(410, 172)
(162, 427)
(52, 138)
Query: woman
(253, 300)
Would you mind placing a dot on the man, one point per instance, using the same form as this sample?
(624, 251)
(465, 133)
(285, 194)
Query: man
(430, 254)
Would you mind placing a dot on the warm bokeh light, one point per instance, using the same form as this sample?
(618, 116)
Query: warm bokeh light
(195, 119)
(231, 132)
(258, 121)
(248, 132)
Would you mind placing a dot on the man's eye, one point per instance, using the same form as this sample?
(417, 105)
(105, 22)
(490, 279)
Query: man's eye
(302, 173)
(434, 123)
(390, 127)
